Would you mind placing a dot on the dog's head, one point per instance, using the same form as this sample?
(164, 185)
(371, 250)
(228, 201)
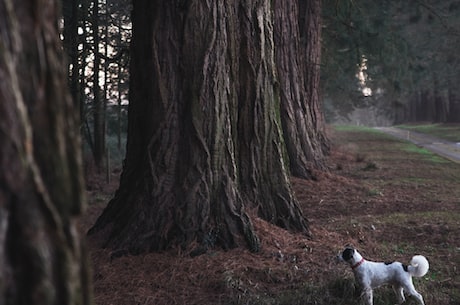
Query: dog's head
(348, 255)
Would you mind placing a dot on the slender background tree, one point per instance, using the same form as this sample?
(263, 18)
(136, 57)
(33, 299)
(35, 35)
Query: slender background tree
(96, 37)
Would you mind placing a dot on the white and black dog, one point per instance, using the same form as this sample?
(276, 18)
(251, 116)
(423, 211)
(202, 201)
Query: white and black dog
(370, 275)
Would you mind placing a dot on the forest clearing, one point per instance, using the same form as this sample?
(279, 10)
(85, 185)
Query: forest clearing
(388, 198)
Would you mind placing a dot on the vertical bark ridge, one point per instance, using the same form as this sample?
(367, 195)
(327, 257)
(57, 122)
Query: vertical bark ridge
(299, 80)
(264, 178)
(41, 190)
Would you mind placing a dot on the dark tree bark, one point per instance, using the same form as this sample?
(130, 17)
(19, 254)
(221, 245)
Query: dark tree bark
(98, 101)
(298, 56)
(70, 35)
(42, 258)
(439, 103)
(310, 38)
(454, 105)
(205, 143)
(440, 108)
(426, 108)
(411, 113)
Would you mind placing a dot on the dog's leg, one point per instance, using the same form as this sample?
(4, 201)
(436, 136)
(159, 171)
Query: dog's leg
(419, 297)
(367, 296)
(399, 294)
(411, 291)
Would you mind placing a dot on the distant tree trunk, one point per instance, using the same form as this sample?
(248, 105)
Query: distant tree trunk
(98, 102)
(119, 108)
(400, 110)
(440, 108)
(298, 50)
(440, 105)
(454, 105)
(84, 71)
(426, 109)
(119, 93)
(42, 258)
(70, 9)
(411, 113)
(204, 132)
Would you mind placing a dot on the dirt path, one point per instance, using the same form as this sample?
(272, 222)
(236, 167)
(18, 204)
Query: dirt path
(446, 149)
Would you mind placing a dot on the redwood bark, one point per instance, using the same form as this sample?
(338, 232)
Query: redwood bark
(42, 257)
(204, 137)
(310, 37)
(298, 50)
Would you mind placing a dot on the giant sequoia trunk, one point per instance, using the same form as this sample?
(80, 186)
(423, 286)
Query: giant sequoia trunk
(205, 149)
(298, 56)
(42, 259)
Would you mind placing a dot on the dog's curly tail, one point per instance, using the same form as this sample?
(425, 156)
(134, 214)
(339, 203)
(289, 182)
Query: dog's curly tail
(418, 266)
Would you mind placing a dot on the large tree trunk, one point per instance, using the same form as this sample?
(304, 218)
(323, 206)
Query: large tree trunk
(298, 50)
(42, 259)
(204, 137)
(310, 38)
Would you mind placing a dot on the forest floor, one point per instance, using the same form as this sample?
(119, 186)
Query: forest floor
(389, 198)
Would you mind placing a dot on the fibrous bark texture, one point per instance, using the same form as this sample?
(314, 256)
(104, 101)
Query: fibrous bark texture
(42, 259)
(205, 148)
(298, 55)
